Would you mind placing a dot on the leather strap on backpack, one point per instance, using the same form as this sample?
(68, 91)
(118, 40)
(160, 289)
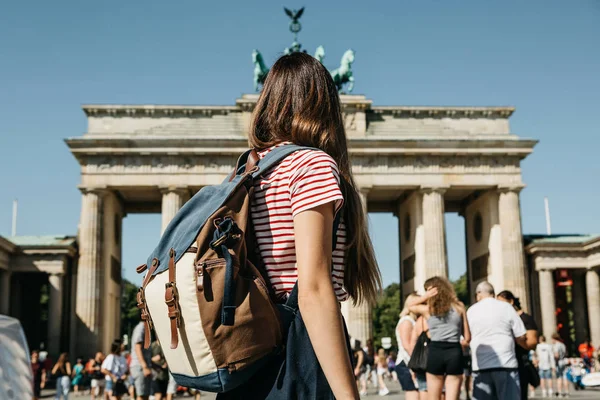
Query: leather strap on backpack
(141, 301)
(172, 301)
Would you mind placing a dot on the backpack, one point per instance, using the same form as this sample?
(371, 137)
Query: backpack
(205, 294)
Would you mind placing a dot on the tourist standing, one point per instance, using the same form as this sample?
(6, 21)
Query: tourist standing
(360, 368)
(495, 326)
(560, 356)
(545, 357)
(62, 372)
(293, 210)
(77, 374)
(447, 320)
(141, 362)
(586, 352)
(391, 360)
(171, 387)
(382, 369)
(98, 382)
(421, 377)
(526, 368)
(160, 372)
(371, 374)
(114, 367)
(39, 374)
(404, 330)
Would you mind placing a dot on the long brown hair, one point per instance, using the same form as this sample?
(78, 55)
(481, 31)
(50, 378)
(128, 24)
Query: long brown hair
(445, 298)
(63, 359)
(300, 103)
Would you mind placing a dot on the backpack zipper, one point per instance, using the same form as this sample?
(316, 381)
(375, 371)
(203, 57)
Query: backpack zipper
(200, 269)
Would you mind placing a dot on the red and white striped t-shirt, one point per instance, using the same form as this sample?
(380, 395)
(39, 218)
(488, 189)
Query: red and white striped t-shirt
(303, 180)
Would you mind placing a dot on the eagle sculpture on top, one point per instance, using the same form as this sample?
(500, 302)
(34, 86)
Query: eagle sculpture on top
(294, 14)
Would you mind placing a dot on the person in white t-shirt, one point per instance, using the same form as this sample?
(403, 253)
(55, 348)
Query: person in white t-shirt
(495, 326)
(562, 362)
(116, 370)
(545, 356)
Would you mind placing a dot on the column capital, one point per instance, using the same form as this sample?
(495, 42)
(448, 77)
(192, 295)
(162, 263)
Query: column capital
(365, 189)
(441, 189)
(181, 190)
(511, 188)
(98, 190)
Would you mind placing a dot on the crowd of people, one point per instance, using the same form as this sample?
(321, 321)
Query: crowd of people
(489, 351)
(139, 373)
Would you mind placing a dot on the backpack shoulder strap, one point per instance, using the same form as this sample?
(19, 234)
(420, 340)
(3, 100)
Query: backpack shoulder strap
(275, 156)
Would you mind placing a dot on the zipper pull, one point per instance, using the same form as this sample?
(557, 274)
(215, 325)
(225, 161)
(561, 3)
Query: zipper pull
(200, 275)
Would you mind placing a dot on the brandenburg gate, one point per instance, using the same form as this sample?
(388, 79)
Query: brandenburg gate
(415, 162)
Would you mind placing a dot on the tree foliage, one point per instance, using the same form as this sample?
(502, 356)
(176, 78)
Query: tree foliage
(130, 315)
(461, 288)
(385, 314)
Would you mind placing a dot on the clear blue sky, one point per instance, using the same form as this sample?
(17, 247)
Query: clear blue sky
(540, 56)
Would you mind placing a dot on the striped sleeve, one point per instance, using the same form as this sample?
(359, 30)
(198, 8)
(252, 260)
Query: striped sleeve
(314, 181)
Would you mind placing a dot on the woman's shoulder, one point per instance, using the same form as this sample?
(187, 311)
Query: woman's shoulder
(459, 307)
(311, 157)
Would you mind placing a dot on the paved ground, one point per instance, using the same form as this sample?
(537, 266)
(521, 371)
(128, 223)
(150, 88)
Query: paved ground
(395, 393)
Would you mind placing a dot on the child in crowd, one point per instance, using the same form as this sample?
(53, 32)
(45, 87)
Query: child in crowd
(382, 370)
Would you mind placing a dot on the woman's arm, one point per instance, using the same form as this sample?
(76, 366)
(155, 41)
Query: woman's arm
(531, 340)
(466, 330)
(54, 369)
(405, 331)
(313, 230)
(68, 368)
(420, 309)
(43, 383)
(414, 300)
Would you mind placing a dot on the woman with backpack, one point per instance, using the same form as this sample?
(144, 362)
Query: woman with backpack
(294, 208)
(447, 321)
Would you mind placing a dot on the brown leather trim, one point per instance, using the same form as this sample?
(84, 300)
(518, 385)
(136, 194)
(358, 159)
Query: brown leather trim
(155, 263)
(171, 299)
(140, 269)
(141, 303)
(252, 161)
(192, 249)
(144, 316)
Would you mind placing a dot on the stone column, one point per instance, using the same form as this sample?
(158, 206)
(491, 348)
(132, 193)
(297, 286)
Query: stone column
(55, 311)
(592, 286)
(548, 303)
(89, 283)
(360, 322)
(512, 245)
(4, 292)
(435, 234)
(172, 200)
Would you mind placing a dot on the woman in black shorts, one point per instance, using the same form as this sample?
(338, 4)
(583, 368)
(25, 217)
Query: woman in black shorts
(447, 320)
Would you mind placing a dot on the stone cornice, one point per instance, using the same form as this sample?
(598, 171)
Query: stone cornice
(358, 146)
(548, 248)
(151, 110)
(444, 112)
(7, 245)
(247, 103)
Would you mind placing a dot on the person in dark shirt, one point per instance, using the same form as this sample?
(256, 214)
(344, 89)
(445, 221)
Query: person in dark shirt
(531, 342)
(39, 374)
(160, 372)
